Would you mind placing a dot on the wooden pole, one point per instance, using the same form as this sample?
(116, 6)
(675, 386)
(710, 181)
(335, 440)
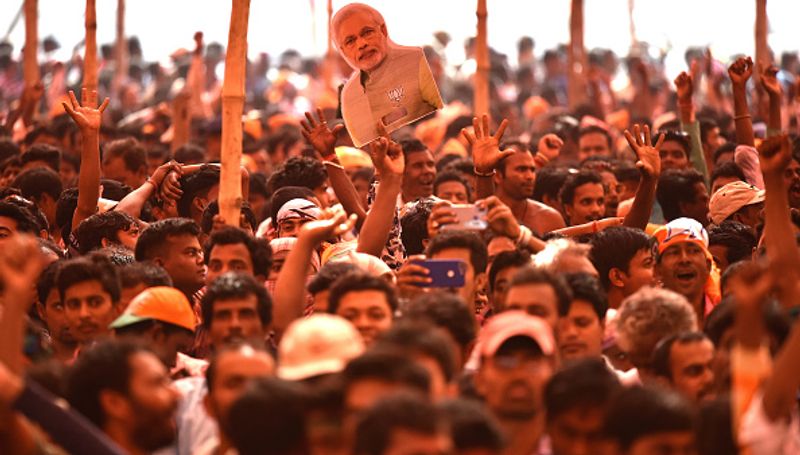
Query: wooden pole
(30, 64)
(90, 51)
(330, 30)
(122, 46)
(761, 28)
(233, 96)
(576, 56)
(481, 78)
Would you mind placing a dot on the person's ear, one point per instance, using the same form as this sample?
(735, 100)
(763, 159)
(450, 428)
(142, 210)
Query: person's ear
(199, 204)
(104, 242)
(158, 261)
(40, 310)
(615, 277)
(384, 30)
(114, 405)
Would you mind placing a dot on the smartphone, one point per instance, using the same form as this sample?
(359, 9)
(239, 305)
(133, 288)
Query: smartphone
(470, 218)
(445, 273)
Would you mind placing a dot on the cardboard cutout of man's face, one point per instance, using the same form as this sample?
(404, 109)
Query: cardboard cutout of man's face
(391, 84)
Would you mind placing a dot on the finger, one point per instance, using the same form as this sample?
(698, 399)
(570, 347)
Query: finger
(414, 269)
(659, 141)
(629, 138)
(637, 133)
(476, 127)
(84, 96)
(647, 137)
(68, 109)
(311, 119)
(381, 129)
(505, 154)
(468, 136)
(306, 128)
(104, 105)
(320, 116)
(501, 129)
(73, 100)
(337, 129)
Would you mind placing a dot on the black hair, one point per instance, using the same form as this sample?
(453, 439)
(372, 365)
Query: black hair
(549, 181)
(478, 254)
(156, 236)
(259, 249)
(573, 181)
(727, 147)
(282, 196)
(736, 237)
(721, 318)
(254, 426)
(26, 220)
(727, 169)
(517, 147)
(677, 186)
(706, 125)
(212, 209)
(114, 190)
(235, 286)
(625, 171)
(615, 247)
(92, 267)
(376, 427)
(146, 273)
(219, 351)
(299, 171)
(196, 185)
(84, 385)
(33, 183)
(587, 288)
(535, 275)
(8, 148)
(387, 365)
(65, 209)
(189, 154)
(414, 226)
(676, 136)
(663, 351)
(47, 281)
(505, 260)
(445, 310)
(585, 384)
(444, 162)
(715, 432)
(637, 412)
(451, 176)
(130, 150)
(472, 426)
(595, 129)
(412, 146)
(42, 152)
(91, 232)
(285, 136)
(258, 184)
(421, 338)
(328, 274)
(360, 281)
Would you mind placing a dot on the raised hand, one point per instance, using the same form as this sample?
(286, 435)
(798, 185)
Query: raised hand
(319, 135)
(85, 114)
(769, 80)
(550, 146)
(500, 218)
(170, 188)
(684, 85)
(649, 159)
(332, 223)
(485, 147)
(412, 277)
(774, 155)
(741, 70)
(387, 157)
(161, 172)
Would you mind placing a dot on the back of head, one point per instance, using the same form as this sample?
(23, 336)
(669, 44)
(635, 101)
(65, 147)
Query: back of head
(269, 418)
(414, 224)
(421, 339)
(445, 310)
(48, 154)
(376, 427)
(33, 183)
(130, 151)
(472, 426)
(637, 412)
(478, 254)
(737, 238)
(388, 366)
(676, 186)
(299, 171)
(145, 273)
(581, 385)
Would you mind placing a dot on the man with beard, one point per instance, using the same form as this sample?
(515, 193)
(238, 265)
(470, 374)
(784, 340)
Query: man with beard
(683, 263)
(51, 310)
(173, 244)
(125, 390)
(419, 172)
(583, 198)
(684, 361)
(517, 357)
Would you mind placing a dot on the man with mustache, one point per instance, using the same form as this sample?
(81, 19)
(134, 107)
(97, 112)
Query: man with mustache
(517, 357)
(684, 361)
(583, 198)
(419, 172)
(89, 289)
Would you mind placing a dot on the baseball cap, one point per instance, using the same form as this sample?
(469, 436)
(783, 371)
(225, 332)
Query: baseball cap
(732, 197)
(508, 324)
(681, 230)
(316, 345)
(160, 303)
(299, 208)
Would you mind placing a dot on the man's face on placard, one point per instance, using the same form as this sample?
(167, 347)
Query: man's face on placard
(361, 41)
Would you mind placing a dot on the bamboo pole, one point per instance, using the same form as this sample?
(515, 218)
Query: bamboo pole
(122, 46)
(90, 51)
(761, 28)
(30, 65)
(576, 56)
(233, 96)
(481, 78)
(330, 31)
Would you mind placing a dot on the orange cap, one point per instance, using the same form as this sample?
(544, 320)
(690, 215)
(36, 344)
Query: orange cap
(160, 303)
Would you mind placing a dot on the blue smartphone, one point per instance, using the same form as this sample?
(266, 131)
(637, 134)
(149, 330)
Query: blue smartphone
(445, 273)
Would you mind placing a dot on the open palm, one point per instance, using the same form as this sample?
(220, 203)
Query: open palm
(649, 159)
(486, 147)
(319, 135)
(84, 114)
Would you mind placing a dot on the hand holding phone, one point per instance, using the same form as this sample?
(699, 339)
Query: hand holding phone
(469, 217)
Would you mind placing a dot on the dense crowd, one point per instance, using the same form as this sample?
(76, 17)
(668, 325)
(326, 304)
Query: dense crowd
(616, 275)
